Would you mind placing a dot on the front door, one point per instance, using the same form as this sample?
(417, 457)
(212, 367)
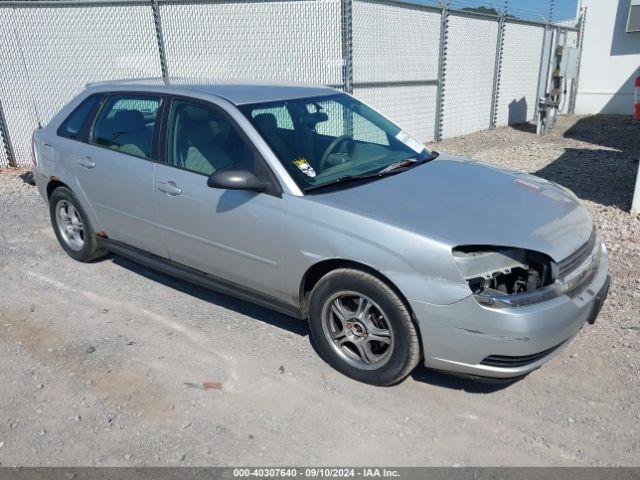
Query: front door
(115, 171)
(235, 235)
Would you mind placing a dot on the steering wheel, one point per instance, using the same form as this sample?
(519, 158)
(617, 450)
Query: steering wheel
(333, 146)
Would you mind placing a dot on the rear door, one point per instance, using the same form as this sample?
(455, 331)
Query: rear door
(235, 235)
(115, 169)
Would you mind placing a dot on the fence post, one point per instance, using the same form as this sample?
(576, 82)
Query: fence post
(442, 70)
(574, 85)
(497, 72)
(6, 140)
(346, 23)
(155, 7)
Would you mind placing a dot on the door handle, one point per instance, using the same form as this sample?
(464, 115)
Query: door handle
(85, 162)
(170, 188)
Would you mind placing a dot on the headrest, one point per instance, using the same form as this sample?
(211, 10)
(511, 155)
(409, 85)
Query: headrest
(200, 132)
(131, 120)
(266, 122)
(215, 127)
(314, 118)
(196, 112)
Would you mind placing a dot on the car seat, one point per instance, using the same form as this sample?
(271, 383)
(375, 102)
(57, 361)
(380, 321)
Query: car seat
(268, 126)
(203, 154)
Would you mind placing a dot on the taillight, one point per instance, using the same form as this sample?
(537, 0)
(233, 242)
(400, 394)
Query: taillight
(34, 159)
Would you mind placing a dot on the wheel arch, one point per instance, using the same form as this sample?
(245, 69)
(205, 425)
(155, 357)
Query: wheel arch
(54, 183)
(318, 270)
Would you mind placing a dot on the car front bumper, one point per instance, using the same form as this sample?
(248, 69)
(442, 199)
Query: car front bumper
(471, 339)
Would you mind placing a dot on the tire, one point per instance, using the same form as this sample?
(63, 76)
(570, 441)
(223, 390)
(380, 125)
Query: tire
(349, 310)
(75, 233)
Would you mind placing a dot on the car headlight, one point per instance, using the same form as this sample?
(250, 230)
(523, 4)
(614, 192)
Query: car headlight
(507, 277)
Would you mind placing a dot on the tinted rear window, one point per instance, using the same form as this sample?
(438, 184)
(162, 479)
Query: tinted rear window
(74, 123)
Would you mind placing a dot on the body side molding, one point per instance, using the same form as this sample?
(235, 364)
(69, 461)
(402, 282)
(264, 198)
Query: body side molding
(199, 278)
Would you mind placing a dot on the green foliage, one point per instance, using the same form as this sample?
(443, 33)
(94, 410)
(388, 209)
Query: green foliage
(486, 11)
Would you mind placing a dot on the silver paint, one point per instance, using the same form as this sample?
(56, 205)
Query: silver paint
(403, 226)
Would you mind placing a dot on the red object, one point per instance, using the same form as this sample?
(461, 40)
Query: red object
(636, 103)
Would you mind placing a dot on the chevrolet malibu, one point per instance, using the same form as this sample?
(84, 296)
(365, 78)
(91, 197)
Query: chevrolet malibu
(307, 201)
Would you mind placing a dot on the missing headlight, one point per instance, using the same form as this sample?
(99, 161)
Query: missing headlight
(495, 270)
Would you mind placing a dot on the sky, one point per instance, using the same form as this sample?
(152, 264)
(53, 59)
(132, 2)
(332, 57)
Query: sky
(563, 9)
(566, 9)
(529, 9)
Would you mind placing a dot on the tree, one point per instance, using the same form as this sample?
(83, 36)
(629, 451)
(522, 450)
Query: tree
(486, 11)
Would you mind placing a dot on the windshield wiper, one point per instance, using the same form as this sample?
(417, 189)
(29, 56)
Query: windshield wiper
(345, 179)
(407, 163)
(397, 167)
(394, 166)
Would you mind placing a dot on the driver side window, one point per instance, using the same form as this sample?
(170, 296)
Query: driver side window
(202, 140)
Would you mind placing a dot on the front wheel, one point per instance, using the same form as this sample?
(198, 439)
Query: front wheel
(362, 328)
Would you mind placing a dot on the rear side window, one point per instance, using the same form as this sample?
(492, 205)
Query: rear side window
(126, 124)
(73, 125)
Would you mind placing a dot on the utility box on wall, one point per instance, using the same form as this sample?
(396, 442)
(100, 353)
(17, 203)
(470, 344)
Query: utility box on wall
(569, 62)
(633, 21)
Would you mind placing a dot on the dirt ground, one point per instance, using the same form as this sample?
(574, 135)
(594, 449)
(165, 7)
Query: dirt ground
(103, 363)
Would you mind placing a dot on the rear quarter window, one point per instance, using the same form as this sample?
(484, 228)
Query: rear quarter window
(74, 124)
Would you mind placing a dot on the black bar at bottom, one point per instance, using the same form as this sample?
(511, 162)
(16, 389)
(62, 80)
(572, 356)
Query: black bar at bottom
(397, 473)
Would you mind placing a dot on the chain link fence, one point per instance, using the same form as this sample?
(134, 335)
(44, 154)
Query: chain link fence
(395, 61)
(520, 71)
(469, 79)
(438, 72)
(51, 50)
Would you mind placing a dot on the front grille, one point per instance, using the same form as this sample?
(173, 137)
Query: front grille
(576, 259)
(505, 361)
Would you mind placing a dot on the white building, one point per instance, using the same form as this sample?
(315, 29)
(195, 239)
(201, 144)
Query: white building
(610, 56)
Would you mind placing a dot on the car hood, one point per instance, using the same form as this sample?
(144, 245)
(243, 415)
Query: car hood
(462, 202)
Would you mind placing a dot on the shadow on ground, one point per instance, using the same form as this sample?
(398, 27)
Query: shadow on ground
(607, 175)
(242, 307)
(525, 127)
(619, 132)
(467, 384)
(298, 327)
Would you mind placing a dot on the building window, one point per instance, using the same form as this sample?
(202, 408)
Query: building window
(633, 22)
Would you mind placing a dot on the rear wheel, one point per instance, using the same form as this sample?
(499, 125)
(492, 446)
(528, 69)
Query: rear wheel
(362, 328)
(72, 226)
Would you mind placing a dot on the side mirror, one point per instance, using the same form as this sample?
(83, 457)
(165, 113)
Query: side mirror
(236, 178)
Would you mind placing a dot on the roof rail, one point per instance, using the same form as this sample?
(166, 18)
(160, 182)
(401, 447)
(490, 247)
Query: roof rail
(125, 80)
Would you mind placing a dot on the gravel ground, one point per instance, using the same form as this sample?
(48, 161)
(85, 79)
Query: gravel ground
(103, 363)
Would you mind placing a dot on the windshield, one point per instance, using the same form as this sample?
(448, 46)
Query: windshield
(321, 140)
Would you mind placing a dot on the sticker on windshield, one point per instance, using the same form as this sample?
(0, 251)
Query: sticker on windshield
(304, 167)
(410, 142)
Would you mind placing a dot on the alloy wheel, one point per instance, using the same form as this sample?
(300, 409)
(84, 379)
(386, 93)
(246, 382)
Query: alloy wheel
(357, 329)
(70, 225)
